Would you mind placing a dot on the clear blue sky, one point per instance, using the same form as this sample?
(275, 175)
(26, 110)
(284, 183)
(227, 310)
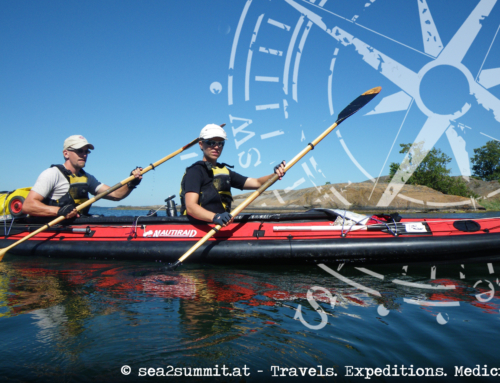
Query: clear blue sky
(139, 79)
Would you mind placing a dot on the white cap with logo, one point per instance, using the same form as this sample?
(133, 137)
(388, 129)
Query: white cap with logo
(76, 142)
(211, 131)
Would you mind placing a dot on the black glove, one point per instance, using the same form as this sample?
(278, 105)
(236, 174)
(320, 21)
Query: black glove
(277, 166)
(222, 218)
(136, 181)
(66, 209)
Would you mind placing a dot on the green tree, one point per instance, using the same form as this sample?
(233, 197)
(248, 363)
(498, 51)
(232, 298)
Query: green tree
(486, 161)
(431, 172)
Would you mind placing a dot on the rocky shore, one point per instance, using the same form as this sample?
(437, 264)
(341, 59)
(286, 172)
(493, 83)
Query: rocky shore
(364, 196)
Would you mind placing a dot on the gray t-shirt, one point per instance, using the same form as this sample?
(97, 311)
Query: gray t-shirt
(52, 183)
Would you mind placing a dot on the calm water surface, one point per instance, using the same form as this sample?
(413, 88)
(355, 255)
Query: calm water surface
(84, 320)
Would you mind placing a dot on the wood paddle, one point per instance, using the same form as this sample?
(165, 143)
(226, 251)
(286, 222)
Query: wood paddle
(349, 110)
(99, 196)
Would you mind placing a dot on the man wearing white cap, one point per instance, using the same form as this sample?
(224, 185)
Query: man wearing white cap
(61, 188)
(206, 185)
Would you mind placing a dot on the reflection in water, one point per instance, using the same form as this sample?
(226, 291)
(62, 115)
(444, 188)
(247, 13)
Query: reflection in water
(69, 318)
(35, 289)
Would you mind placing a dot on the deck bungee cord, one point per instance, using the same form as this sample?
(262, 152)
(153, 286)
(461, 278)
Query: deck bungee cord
(151, 213)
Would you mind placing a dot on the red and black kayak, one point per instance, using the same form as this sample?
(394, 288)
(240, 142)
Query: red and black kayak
(319, 235)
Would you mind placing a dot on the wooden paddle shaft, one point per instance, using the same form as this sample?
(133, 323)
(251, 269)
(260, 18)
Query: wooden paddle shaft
(43, 228)
(131, 178)
(275, 177)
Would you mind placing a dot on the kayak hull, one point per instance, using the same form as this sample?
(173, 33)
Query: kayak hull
(257, 239)
(323, 251)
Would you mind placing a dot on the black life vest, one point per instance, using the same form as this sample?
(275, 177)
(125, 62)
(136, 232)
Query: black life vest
(78, 192)
(215, 196)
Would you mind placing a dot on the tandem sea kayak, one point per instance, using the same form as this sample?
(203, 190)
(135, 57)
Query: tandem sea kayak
(319, 235)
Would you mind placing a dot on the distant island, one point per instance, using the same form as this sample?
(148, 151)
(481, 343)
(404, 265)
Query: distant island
(127, 207)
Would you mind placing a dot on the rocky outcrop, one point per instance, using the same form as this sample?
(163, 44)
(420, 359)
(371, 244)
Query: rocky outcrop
(485, 189)
(365, 196)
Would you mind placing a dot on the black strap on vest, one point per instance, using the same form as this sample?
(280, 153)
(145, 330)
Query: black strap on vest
(66, 172)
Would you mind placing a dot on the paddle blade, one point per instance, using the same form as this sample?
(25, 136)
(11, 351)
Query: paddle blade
(358, 103)
(173, 267)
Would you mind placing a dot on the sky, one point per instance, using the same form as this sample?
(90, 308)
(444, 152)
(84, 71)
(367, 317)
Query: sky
(139, 79)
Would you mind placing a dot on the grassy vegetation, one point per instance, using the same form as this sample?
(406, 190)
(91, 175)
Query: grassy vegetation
(492, 205)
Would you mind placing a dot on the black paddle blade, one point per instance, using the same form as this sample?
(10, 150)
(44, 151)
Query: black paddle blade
(173, 266)
(358, 103)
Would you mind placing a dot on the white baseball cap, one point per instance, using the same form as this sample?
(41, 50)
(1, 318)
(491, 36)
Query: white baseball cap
(211, 131)
(76, 142)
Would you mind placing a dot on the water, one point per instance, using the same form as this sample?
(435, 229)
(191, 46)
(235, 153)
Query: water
(73, 320)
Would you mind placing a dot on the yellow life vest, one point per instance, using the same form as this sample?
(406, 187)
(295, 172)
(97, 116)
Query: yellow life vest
(78, 192)
(222, 183)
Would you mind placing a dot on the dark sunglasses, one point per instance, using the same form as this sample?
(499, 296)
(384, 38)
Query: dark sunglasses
(213, 143)
(80, 151)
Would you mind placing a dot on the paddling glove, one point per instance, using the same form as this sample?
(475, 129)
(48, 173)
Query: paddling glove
(277, 166)
(66, 209)
(222, 218)
(136, 181)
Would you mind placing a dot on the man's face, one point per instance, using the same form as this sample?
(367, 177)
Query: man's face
(77, 157)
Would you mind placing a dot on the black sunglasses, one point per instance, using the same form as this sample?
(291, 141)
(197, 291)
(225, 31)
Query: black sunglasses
(213, 143)
(80, 151)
